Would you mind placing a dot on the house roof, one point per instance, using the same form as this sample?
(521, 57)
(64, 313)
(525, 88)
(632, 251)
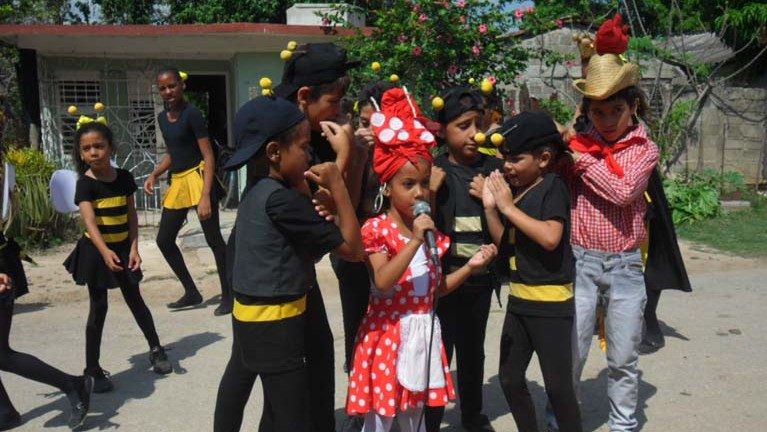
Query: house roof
(170, 41)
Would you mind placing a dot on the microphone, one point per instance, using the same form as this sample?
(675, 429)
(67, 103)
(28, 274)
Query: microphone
(422, 207)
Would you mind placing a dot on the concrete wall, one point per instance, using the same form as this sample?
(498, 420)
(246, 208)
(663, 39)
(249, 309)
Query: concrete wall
(732, 133)
(732, 129)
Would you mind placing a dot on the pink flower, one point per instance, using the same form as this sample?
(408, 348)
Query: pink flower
(417, 51)
(560, 23)
(476, 50)
(461, 4)
(482, 28)
(569, 64)
(452, 70)
(416, 8)
(530, 9)
(463, 19)
(492, 79)
(446, 4)
(403, 38)
(519, 14)
(423, 17)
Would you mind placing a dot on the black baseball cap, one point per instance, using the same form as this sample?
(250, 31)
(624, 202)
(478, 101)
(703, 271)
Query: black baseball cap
(313, 64)
(258, 121)
(459, 100)
(529, 130)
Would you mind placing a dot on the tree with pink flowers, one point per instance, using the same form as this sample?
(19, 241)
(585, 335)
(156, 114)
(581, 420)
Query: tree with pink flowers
(430, 45)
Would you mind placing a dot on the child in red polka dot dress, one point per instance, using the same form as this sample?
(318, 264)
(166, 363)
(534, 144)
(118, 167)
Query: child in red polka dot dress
(392, 355)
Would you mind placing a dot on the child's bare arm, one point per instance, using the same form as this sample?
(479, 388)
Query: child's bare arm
(327, 175)
(548, 233)
(386, 272)
(494, 223)
(482, 258)
(135, 258)
(89, 219)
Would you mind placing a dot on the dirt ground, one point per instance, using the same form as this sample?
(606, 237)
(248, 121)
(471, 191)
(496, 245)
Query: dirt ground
(709, 377)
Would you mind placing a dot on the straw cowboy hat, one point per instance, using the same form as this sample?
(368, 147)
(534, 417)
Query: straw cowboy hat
(606, 75)
(607, 72)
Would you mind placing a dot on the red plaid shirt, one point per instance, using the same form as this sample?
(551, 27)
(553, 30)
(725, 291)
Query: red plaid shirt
(608, 211)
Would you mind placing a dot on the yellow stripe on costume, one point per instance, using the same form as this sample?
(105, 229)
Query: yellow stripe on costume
(468, 224)
(490, 151)
(112, 238)
(112, 220)
(545, 293)
(263, 313)
(104, 203)
(513, 263)
(466, 250)
(185, 189)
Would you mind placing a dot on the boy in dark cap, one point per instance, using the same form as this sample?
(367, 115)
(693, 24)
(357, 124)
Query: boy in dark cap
(464, 312)
(315, 79)
(539, 315)
(279, 236)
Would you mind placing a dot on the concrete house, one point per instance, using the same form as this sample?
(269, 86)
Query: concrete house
(64, 65)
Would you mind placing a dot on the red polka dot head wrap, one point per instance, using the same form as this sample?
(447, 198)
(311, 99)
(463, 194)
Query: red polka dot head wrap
(401, 134)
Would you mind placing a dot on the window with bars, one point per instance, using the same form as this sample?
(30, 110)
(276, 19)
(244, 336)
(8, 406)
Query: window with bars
(141, 124)
(81, 93)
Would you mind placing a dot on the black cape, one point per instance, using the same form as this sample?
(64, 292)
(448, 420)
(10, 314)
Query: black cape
(664, 268)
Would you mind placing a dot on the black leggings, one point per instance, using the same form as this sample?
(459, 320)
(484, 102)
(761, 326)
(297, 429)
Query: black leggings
(463, 318)
(652, 326)
(273, 351)
(98, 314)
(25, 365)
(354, 286)
(171, 222)
(550, 338)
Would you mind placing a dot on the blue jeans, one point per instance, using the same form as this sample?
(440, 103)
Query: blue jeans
(615, 280)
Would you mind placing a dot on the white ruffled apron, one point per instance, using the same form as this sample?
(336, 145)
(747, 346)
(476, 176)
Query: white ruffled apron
(415, 330)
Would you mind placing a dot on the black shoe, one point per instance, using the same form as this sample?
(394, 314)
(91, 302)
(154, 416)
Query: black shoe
(225, 308)
(11, 421)
(649, 346)
(101, 381)
(160, 363)
(477, 423)
(353, 424)
(185, 301)
(81, 401)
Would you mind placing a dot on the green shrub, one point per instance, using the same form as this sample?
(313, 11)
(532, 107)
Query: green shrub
(561, 112)
(696, 196)
(34, 222)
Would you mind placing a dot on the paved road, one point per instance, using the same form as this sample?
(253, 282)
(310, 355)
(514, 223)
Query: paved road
(710, 376)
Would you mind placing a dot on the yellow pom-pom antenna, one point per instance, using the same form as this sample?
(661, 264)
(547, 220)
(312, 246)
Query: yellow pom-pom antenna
(472, 81)
(497, 139)
(99, 107)
(266, 86)
(183, 75)
(486, 86)
(72, 110)
(480, 138)
(375, 66)
(437, 103)
(285, 55)
(394, 78)
(292, 45)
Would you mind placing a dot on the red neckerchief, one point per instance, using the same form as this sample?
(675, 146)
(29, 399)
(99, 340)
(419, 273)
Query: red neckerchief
(591, 143)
